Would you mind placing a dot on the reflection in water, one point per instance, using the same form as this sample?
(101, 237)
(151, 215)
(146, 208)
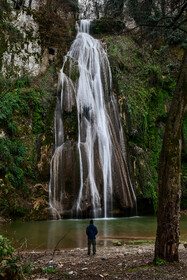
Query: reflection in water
(69, 233)
(79, 235)
(46, 235)
(105, 231)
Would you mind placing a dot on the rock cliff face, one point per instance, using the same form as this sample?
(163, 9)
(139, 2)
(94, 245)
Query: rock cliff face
(25, 56)
(91, 9)
(37, 45)
(34, 39)
(35, 32)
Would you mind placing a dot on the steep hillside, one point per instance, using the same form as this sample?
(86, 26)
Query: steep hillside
(32, 45)
(36, 35)
(144, 82)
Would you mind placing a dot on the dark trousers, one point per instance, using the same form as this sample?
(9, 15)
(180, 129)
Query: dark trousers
(93, 243)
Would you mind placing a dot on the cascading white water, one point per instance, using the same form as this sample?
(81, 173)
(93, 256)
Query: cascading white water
(92, 115)
(91, 141)
(91, 103)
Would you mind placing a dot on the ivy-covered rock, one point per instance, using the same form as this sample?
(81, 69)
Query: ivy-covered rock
(26, 143)
(144, 81)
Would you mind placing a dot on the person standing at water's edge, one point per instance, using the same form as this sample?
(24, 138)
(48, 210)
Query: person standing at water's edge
(91, 231)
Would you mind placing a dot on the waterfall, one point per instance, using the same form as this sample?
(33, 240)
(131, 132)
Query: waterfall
(89, 173)
(91, 107)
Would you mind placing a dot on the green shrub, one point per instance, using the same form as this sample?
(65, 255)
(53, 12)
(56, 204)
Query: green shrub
(49, 270)
(13, 155)
(25, 81)
(20, 211)
(25, 189)
(6, 250)
(160, 262)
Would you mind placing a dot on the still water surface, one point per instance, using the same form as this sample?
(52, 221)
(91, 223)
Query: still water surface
(46, 234)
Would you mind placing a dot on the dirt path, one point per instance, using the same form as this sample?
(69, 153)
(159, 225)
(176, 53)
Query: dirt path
(129, 261)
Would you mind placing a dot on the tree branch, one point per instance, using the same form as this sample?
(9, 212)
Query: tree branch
(178, 15)
(58, 244)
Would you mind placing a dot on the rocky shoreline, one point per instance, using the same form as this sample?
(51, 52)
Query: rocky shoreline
(129, 261)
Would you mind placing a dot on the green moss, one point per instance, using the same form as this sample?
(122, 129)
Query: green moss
(144, 86)
(74, 75)
(70, 125)
(25, 111)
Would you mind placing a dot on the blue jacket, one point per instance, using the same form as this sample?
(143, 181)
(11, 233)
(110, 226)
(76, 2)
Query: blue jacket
(91, 231)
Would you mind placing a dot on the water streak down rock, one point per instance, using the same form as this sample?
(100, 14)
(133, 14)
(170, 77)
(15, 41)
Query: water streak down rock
(89, 174)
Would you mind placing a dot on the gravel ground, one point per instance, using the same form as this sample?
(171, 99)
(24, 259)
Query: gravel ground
(129, 261)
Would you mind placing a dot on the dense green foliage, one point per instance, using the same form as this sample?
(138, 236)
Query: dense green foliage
(25, 115)
(6, 250)
(144, 82)
(9, 267)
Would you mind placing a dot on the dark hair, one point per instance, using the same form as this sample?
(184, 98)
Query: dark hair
(91, 222)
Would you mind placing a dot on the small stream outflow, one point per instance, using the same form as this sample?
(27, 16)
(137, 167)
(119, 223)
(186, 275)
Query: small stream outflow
(89, 174)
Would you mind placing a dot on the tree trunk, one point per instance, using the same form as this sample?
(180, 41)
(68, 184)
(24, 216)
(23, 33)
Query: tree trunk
(169, 184)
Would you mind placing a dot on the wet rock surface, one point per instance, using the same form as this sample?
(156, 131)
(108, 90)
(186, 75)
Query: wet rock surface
(129, 261)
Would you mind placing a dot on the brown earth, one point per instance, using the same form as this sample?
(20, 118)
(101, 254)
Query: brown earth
(129, 261)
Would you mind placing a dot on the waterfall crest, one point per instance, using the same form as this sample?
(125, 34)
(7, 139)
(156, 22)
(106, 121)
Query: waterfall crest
(89, 174)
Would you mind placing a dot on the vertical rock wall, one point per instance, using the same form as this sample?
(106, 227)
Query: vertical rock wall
(24, 55)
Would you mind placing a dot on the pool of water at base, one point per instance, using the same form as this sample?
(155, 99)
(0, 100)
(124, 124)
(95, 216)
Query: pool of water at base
(70, 234)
